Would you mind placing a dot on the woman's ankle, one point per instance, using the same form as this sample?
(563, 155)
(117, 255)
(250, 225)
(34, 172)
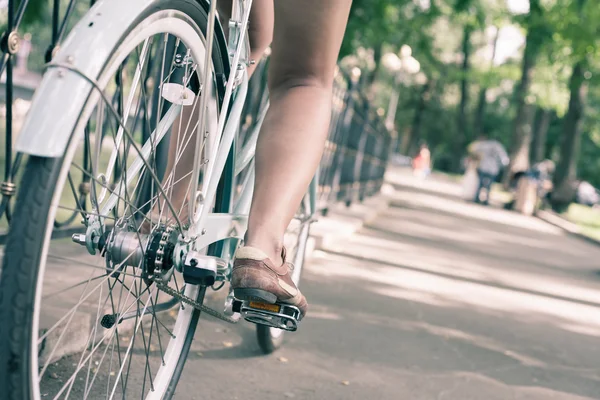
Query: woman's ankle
(271, 247)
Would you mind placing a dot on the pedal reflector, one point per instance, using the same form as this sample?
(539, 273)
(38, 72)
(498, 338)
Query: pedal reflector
(265, 306)
(280, 316)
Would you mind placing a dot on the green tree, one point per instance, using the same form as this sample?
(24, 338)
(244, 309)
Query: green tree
(482, 98)
(537, 33)
(577, 27)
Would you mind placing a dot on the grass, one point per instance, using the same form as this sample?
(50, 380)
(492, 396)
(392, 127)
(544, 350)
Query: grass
(587, 218)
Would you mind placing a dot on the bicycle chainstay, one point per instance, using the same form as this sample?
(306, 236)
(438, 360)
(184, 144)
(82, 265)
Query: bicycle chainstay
(199, 306)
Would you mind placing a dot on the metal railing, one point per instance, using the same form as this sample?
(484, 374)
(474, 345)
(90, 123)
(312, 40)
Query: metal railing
(358, 145)
(357, 149)
(356, 152)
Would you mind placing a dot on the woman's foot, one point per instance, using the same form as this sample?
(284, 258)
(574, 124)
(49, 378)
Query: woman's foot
(255, 277)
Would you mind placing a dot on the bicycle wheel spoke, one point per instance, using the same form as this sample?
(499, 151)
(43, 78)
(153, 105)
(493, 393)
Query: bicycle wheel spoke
(74, 375)
(125, 114)
(112, 192)
(81, 263)
(117, 341)
(47, 296)
(147, 369)
(138, 322)
(152, 324)
(70, 316)
(91, 337)
(84, 213)
(75, 196)
(71, 312)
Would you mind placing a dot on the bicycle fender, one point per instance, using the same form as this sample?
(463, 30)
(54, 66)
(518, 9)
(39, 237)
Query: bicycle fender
(57, 103)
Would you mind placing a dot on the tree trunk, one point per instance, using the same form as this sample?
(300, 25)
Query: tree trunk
(521, 139)
(538, 152)
(415, 131)
(462, 137)
(482, 101)
(370, 81)
(519, 156)
(566, 170)
(480, 112)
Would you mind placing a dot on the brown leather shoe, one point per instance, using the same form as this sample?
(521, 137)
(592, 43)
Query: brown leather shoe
(255, 277)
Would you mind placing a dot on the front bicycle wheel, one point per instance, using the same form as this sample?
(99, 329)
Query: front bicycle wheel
(85, 320)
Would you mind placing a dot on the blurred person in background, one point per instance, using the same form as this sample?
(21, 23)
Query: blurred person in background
(587, 194)
(541, 174)
(470, 180)
(492, 158)
(422, 162)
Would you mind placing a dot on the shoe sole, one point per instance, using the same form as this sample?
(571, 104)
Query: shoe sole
(255, 295)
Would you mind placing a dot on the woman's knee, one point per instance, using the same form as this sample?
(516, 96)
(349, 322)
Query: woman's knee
(305, 79)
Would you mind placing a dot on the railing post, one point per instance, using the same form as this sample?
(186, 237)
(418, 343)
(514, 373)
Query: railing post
(344, 129)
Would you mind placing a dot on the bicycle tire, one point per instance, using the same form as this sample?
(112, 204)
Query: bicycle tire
(271, 339)
(24, 249)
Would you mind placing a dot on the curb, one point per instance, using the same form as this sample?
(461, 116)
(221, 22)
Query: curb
(341, 221)
(566, 225)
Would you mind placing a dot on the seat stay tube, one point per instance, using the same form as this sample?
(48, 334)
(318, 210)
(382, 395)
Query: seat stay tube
(227, 126)
(207, 80)
(209, 187)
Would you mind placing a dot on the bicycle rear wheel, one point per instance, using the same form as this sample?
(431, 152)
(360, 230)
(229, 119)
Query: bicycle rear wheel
(78, 325)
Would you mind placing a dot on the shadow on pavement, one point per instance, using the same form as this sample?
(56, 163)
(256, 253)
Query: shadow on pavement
(501, 305)
(431, 330)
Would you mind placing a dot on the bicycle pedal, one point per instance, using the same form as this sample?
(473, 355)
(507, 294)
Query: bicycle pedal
(278, 315)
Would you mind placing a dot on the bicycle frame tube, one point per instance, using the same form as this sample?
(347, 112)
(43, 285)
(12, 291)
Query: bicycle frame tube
(227, 124)
(220, 157)
(210, 31)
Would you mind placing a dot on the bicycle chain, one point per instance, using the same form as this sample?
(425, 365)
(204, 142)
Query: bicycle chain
(199, 306)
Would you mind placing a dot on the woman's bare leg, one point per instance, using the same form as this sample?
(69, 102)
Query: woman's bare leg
(307, 38)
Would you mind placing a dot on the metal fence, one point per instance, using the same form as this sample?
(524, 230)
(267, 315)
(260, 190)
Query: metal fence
(356, 152)
(357, 149)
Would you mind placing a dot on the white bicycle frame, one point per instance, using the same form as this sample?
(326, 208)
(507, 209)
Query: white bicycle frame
(47, 136)
(208, 228)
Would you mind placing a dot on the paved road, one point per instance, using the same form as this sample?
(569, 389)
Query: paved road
(434, 299)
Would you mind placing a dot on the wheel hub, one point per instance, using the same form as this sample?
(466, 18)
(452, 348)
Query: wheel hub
(159, 260)
(154, 253)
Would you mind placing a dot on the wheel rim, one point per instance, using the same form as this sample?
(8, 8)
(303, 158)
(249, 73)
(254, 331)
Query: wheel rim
(107, 359)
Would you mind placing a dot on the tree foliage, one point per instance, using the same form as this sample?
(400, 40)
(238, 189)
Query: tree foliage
(562, 36)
